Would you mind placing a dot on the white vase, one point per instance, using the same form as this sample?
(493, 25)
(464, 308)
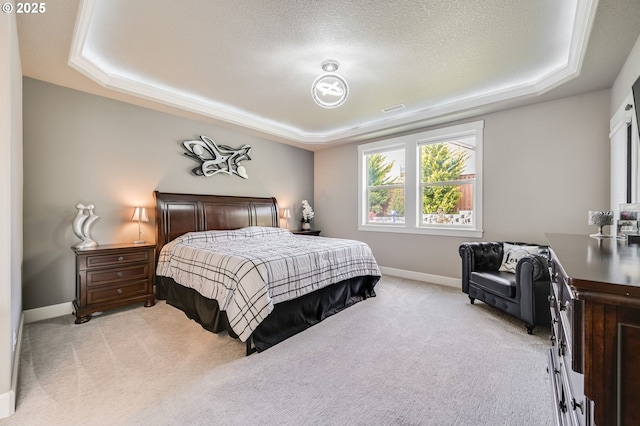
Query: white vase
(306, 226)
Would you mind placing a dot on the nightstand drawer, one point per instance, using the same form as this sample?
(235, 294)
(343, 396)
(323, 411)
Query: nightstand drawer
(115, 292)
(99, 260)
(126, 273)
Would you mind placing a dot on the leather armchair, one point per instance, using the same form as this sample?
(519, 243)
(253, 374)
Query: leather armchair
(523, 294)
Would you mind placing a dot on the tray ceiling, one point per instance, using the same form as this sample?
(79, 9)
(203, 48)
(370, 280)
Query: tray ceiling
(252, 63)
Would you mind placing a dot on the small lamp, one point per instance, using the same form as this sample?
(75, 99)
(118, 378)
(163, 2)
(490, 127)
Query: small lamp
(600, 219)
(140, 215)
(286, 215)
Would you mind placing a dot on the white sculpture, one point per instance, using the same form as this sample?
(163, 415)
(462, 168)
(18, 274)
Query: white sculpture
(82, 226)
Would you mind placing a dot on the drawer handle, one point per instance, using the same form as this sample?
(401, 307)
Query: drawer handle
(551, 298)
(575, 405)
(120, 274)
(119, 291)
(564, 306)
(562, 349)
(563, 406)
(120, 258)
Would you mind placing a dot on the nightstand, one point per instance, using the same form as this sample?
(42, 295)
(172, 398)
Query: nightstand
(111, 276)
(313, 232)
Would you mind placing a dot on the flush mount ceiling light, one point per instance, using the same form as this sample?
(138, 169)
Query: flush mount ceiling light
(329, 90)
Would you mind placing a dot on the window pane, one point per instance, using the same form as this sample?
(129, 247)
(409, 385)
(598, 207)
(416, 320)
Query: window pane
(447, 161)
(447, 204)
(386, 206)
(386, 168)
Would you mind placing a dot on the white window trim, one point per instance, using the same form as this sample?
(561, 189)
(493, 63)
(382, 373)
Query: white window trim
(411, 144)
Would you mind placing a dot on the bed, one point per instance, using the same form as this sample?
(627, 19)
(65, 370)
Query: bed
(189, 222)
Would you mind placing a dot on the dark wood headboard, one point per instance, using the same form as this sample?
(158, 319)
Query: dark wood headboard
(177, 214)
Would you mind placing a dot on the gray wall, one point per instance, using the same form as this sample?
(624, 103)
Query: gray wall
(628, 75)
(84, 148)
(545, 166)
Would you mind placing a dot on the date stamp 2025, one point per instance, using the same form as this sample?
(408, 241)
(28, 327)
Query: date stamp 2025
(32, 8)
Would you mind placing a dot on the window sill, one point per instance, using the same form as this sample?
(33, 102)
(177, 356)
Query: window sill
(400, 229)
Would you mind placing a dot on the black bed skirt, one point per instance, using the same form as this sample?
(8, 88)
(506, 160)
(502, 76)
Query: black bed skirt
(287, 318)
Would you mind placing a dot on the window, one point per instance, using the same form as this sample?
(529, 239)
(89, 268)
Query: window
(385, 186)
(447, 180)
(425, 183)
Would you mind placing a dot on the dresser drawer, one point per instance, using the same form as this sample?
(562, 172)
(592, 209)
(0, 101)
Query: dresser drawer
(116, 291)
(110, 259)
(101, 277)
(556, 325)
(556, 388)
(567, 310)
(573, 392)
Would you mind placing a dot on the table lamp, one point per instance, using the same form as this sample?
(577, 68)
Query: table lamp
(286, 215)
(140, 215)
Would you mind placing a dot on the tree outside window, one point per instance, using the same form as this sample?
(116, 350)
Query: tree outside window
(445, 184)
(385, 186)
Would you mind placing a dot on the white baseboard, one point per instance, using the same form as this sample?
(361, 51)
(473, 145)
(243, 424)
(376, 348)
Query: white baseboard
(421, 276)
(46, 312)
(8, 399)
(7, 403)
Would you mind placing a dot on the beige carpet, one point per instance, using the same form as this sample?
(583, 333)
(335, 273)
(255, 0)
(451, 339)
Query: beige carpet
(418, 354)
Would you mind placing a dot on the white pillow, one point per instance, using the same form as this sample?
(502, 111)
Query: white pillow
(512, 254)
(265, 231)
(233, 234)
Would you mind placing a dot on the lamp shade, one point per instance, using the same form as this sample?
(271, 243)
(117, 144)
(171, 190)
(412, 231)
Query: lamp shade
(140, 214)
(286, 213)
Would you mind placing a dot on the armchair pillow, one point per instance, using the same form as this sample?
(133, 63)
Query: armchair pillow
(512, 254)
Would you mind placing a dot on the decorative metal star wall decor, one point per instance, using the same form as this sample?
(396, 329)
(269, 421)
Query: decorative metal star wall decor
(216, 158)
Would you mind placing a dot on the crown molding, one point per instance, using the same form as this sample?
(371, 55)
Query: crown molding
(80, 61)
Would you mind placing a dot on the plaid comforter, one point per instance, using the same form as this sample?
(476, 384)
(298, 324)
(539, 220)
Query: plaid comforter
(250, 269)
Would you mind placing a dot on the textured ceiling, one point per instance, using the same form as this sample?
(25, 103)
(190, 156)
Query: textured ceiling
(252, 63)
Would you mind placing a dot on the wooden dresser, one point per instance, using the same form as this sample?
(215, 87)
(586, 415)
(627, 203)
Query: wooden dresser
(110, 276)
(594, 359)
